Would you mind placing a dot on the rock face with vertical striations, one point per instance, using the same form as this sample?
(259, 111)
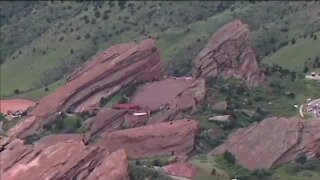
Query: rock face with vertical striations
(102, 76)
(177, 137)
(229, 54)
(273, 142)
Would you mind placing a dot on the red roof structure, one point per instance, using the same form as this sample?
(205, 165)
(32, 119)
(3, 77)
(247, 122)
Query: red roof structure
(127, 106)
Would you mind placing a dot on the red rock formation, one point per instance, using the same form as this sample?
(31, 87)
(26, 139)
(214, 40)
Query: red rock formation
(229, 54)
(106, 120)
(186, 101)
(273, 142)
(181, 170)
(103, 76)
(176, 137)
(53, 160)
(155, 94)
(114, 167)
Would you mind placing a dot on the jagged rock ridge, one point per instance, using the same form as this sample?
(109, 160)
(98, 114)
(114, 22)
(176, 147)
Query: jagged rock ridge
(229, 54)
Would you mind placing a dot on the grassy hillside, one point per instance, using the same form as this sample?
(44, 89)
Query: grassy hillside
(40, 46)
(297, 56)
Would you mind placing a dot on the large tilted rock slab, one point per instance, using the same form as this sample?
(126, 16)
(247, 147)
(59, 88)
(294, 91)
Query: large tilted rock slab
(64, 160)
(273, 142)
(102, 76)
(229, 54)
(186, 102)
(177, 137)
(114, 167)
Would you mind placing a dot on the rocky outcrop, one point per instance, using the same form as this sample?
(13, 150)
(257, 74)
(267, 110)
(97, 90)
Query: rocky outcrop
(67, 159)
(100, 77)
(186, 101)
(229, 54)
(185, 170)
(273, 142)
(220, 106)
(114, 167)
(177, 137)
(106, 120)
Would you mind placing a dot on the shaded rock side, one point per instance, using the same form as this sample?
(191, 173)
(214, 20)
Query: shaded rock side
(229, 54)
(168, 138)
(114, 167)
(186, 101)
(106, 120)
(100, 77)
(273, 142)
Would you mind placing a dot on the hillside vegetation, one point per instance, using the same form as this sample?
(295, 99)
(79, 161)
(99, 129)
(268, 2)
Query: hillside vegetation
(298, 55)
(48, 45)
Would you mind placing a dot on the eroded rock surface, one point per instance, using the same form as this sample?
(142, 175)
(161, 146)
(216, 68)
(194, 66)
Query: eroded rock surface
(158, 93)
(177, 137)
(186, 101)
(106, 120)
(229, 54)
(273, 142)
(102, 76)
(114, 167)
(58, 158)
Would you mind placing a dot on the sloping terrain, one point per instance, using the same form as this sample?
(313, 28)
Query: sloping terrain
(56, 44)
(101, 77)
(297, 56)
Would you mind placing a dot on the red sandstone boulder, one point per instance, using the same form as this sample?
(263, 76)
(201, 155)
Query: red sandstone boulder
(114, 167)
(273, 142)
(177, 137)
(229, 54)
(185, 170)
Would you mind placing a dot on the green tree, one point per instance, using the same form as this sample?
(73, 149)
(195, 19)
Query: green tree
(302, 159)
(97, 14)
(156, 162)
(229, 157)
(16, 91)
(306, 69)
